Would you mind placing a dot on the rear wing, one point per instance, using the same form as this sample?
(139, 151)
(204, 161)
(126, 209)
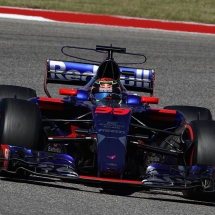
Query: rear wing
(75, 73)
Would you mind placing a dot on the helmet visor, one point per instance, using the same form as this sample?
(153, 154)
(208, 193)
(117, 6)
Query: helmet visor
(100, 96)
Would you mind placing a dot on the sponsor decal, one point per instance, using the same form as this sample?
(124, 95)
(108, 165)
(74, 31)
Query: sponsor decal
(112, 157)
(71, 70)
(139, 74)
(111, 164)
(55, 148)
(84, 72)
(111, 131)
(112, 125)
(105, 87)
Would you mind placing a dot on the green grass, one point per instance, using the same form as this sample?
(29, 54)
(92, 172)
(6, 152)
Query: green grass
(202, 11)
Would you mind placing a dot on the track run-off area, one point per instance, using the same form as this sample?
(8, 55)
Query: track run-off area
(106, 20)
(184, 65)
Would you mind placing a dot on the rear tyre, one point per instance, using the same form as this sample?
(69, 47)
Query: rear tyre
(192, 112)
(20, 123)
(202, 132)
(10, 91)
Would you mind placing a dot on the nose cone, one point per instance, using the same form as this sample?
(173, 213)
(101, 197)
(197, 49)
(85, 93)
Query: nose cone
(111, 153)
(112, 126)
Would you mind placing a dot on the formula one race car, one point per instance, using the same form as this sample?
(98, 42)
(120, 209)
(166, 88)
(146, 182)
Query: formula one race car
(104, 134)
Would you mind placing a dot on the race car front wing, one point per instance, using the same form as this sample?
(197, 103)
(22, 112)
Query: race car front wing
(16, 159)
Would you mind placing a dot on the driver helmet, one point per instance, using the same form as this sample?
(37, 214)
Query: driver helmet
(106, 89)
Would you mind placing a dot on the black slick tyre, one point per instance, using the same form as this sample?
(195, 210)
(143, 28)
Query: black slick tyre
(10, 91)
(202, 132)
(192, 112)
(204, 142)
(20, 123)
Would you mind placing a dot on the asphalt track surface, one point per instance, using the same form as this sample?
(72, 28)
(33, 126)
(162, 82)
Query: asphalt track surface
(184, 65)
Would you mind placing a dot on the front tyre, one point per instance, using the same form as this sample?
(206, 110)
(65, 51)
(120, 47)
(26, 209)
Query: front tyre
(204, 142)
(20, 123)
(202, 133)
(11, 91)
